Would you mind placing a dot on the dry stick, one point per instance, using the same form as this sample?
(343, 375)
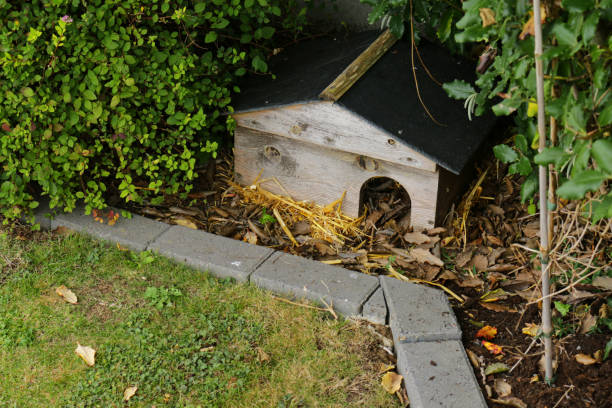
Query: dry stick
(571, 387)
(524, 354)
(543, 175)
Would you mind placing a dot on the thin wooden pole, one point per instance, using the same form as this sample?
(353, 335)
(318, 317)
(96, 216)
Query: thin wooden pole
(543, 176)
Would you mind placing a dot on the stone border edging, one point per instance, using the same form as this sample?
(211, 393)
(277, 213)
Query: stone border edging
(426, 336)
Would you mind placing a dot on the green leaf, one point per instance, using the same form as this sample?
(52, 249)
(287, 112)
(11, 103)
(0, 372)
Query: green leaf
(259, 64)
(578, 6)
(521, 143)
(267, 32)
(109, 43)
(577, 187)
(529, 187)
(89, 95)
(200, 7)
(458, 89)
(562, 308)
(115, 101)
(496, 368)
(444, 28)
(129, 81)
(211, 36)
(605, 116)
(564, 35)
(397, 25)
(27, 92)
(505, 153)
(550, 155)
(522, 167)
(575, 119)
(607, 349)
(602, 209)
(602, 153)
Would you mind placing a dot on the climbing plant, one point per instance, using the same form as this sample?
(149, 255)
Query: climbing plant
(578, 80)
(122, 95)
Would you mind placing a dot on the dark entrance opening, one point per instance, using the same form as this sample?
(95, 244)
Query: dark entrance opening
(386, 201)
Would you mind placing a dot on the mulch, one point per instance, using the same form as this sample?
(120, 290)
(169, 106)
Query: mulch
(484, 257)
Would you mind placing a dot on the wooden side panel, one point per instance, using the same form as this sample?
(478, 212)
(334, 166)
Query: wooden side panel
(319, 174)
(450, 188)
(329, 125)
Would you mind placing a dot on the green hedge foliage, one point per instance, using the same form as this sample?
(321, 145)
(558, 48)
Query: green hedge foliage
(120, 94)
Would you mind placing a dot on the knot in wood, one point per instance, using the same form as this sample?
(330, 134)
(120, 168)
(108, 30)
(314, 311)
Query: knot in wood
(271, 153)
(367, 163)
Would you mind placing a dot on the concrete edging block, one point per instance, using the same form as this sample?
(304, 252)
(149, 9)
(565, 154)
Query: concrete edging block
(222, 257)
(134, 233)
(346, 291)
(419, 313)
(438, 374)
(375, 308)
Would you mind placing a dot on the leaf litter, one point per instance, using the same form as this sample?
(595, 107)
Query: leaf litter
(483, 257)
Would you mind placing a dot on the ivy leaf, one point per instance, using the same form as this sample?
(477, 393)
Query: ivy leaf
(602, 153)
(550, 155)
(505, 153)
(577, 186)
(458, 89)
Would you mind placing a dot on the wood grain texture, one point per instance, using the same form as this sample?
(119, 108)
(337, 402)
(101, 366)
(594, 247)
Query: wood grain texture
(358, 67)
(321, 174)
(329, 125)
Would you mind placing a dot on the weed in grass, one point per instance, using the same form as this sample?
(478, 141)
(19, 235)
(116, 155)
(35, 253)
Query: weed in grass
(162, 297)
(15, 332)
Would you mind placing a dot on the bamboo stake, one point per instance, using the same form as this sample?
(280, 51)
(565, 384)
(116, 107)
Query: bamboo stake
(543, 176)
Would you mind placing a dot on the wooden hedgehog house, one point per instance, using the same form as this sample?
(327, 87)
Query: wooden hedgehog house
(329, 123)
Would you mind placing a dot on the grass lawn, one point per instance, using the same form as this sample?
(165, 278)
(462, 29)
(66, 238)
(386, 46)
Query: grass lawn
(182, 337)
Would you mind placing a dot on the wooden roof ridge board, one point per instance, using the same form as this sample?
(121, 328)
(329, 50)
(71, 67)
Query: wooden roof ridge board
(385, 96)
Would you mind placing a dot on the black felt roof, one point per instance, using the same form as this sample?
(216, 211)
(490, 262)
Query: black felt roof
(385, 95)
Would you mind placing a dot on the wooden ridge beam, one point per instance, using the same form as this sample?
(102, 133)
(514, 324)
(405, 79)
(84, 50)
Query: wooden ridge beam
(358, 67)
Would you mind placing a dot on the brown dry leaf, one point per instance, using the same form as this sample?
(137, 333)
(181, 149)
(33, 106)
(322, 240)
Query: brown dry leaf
(587, 323)
(424, 256)
(532, 229)
(502, 388)
(87, 354)
(250, 237)
(498, 308)
(262, 356)
(66, 294)
(488, 16)
(511, 402)
(494, 240)
(436, 231)
(129, 392)
(391, 382)
(604, 282)
(61, 230)
(479, 262)
(474, 359)
(542, 363)
(383, 368)
(599, 356)
(585, 359)
(416, 238)
(487, 332)
(185, 222)
(528, 27)
(531, 329)
(463, 258)
(470, 282)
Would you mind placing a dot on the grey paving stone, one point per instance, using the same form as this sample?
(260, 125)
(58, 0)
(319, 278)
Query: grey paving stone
(419, 313)
(346, 291)
(40, 214)
(375, 308)
(438, 374)
(134, 233)
(222, 257)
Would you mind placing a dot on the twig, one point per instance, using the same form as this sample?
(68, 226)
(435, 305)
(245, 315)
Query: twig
(322, 309)
(523, 356)
(570, 388)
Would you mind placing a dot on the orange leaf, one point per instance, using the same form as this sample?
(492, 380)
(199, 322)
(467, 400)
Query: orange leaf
(492, 347)
(487, 332)
(529, 28)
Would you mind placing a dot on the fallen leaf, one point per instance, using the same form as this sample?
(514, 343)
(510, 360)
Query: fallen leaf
(511, 402)
(87, 354)
(604, 282)
(436, 231)
(495, 295)
(61, 230)
(496, 368)
(487, 332)
(474, 359)
(416, 238)
(492, 347)
(587, 323)
(598, 355)
(529, 27)
(534, 378)
(470, 282)
(494, 240)
(585, 359)
(383, 368)
(531, 329)
(463, 258)
(262, 356)
(129, 393)
(185, 222)
(250, 237)
(424, 256)
(391, 382)
(502, 388)
(67, 294)
(488, 16)
(498, 308)
(479, 262)
(542, 363)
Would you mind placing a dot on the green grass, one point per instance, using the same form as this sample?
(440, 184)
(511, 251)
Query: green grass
(184, 338)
